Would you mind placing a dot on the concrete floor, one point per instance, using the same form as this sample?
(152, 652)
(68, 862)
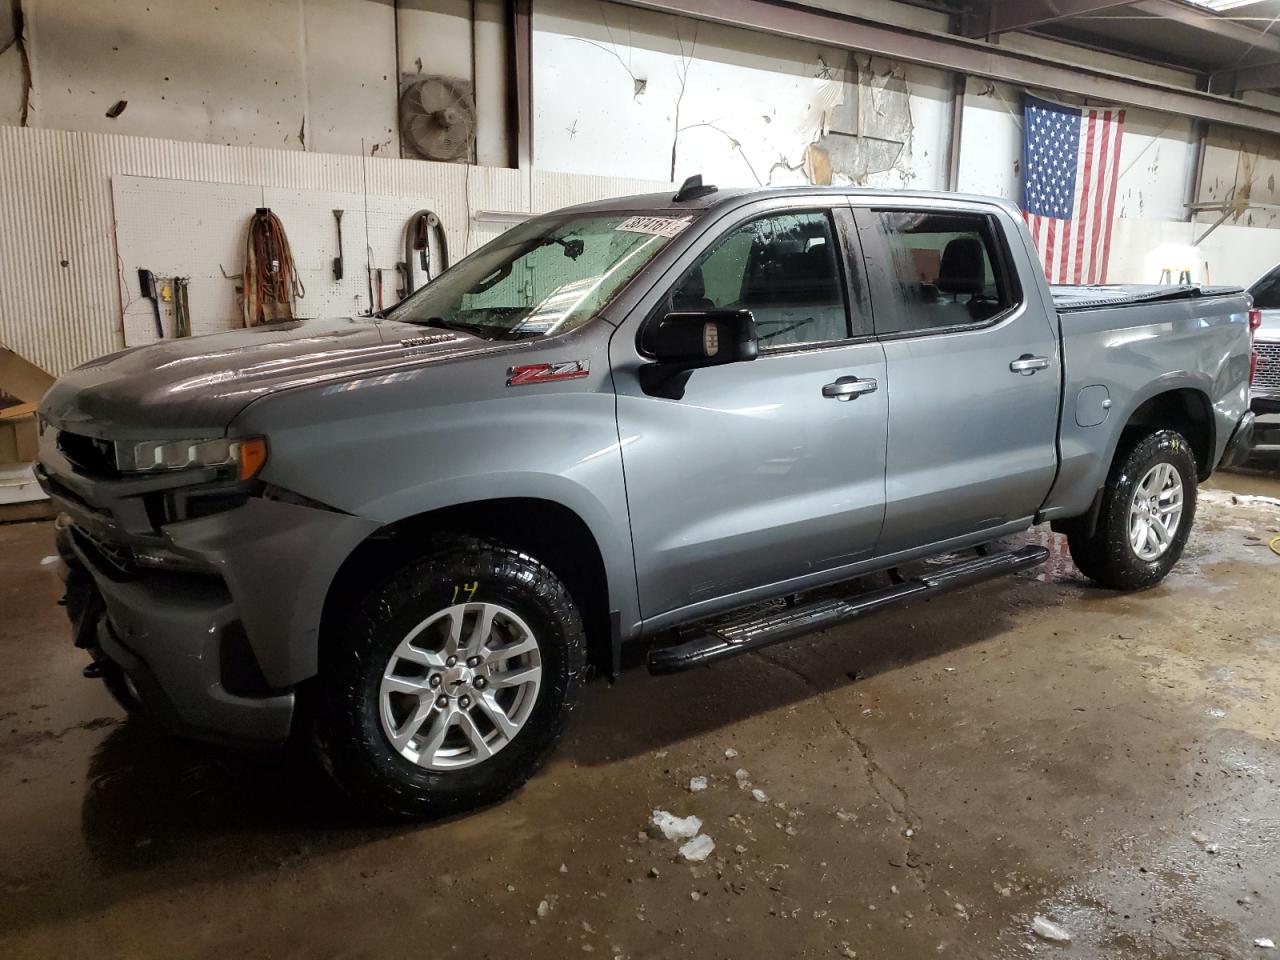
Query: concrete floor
(936, 777)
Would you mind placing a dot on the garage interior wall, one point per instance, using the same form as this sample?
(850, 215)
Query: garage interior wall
(297, 93)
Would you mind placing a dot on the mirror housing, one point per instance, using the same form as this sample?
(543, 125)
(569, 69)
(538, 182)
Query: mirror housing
(688, 340)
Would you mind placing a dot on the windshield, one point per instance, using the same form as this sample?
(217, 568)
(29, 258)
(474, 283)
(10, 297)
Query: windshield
(546, 276)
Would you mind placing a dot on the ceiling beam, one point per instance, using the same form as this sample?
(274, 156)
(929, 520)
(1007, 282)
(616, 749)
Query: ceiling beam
(972, 57)
(1010, 15)
(1265, 76)
(1210, 22)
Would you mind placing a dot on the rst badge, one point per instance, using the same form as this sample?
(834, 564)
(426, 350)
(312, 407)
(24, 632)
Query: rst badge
(547, 372)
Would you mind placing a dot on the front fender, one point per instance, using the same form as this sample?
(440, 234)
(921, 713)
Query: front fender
(390, 448)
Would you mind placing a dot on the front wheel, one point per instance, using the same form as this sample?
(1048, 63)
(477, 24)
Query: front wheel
(1148, 507)
(447, 686)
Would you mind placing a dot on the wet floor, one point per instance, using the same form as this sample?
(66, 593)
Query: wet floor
(934, 779)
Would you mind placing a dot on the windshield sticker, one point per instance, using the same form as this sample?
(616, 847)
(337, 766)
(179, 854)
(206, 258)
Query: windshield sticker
(654, 226)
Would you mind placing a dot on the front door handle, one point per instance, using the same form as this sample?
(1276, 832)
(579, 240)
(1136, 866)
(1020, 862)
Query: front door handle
(1027, 364)
(847, 388)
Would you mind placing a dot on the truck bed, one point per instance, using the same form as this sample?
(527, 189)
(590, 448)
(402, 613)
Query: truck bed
(1073, 299)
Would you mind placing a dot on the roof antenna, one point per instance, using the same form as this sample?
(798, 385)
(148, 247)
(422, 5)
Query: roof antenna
(693, 188)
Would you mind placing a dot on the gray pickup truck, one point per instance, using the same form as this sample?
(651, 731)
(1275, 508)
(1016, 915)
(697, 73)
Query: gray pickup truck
(645, 428)
(1266, 378)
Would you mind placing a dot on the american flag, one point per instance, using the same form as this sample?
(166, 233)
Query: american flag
(1070, 157)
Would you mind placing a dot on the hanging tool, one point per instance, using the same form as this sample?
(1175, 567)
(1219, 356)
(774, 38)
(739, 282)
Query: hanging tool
(337, 261)
(270, 278)
(403, 290)
(147, 280)
(181, 308)
(378, 274)
(417, 238)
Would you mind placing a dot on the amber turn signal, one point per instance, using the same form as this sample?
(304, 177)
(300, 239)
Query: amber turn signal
(253, 454)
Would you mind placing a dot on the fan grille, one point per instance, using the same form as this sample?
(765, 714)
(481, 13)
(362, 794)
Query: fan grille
(437, 119)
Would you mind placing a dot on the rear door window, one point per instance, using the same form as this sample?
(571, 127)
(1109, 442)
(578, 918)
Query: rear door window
(946, 270)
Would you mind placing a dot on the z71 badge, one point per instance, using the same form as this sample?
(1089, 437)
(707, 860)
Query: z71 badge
(547, 372)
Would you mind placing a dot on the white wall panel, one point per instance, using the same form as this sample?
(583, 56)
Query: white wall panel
(1157, 161)
(640, 94)
(58, 264)
(208, 243)
(991, 140)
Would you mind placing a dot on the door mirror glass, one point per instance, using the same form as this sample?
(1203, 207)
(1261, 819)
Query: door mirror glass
(687, 340)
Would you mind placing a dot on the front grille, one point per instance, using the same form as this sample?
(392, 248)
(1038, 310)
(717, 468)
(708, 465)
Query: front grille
(94, 457)
(1266, 380)
(119, 558)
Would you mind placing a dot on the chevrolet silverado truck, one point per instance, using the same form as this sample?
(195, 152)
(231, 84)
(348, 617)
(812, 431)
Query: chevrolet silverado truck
(661, 428)
(1266, 380)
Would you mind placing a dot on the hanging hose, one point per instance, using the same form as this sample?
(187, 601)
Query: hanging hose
(181, 308)
(1275, 545)
(270, 279)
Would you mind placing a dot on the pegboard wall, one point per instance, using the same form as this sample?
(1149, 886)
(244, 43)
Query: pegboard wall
(197, 229)
(65, 277)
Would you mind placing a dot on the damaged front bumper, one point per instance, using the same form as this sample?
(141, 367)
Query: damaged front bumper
(170, 636)
(214, 621)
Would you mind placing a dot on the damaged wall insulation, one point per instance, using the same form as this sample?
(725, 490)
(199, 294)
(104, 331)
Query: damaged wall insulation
(652, 95)
(1242, 173)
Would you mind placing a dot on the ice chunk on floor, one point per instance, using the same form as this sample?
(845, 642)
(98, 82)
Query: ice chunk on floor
(697, 784)
(759, 795)
(698, 849)
(1048, 930)
(676, 828)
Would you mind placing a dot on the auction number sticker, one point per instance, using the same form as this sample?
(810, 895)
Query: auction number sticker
(654, 226)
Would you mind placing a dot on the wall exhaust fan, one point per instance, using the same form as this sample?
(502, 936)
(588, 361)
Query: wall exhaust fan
(438, 120)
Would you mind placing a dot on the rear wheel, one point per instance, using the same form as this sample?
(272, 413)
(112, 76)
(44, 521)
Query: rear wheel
(448, 685)
(1148, 506)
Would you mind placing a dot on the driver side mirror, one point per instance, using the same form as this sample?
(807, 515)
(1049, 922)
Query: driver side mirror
(682, 342)
(703, 338)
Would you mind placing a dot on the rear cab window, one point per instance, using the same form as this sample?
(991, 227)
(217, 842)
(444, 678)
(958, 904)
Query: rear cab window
(1266, 292)
(945, 270)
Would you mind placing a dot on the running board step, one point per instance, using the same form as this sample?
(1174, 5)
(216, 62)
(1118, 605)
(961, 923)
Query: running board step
(729, 639)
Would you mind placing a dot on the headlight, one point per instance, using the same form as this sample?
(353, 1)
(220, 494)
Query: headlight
(247, 454)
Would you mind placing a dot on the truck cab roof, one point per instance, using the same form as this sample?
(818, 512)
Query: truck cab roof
(728, 198)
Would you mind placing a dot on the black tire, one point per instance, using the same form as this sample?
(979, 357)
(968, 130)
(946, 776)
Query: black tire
(348, 729)
(1107, 557)
(121, 689)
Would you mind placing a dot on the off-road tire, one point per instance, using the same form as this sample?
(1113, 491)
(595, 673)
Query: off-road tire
(347, 730)
(1107, 557)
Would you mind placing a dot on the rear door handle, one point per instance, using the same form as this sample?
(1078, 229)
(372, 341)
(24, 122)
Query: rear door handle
(848, 388)
(1027, 364)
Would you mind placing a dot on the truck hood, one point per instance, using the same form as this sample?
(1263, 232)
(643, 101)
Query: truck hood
(201, 383)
